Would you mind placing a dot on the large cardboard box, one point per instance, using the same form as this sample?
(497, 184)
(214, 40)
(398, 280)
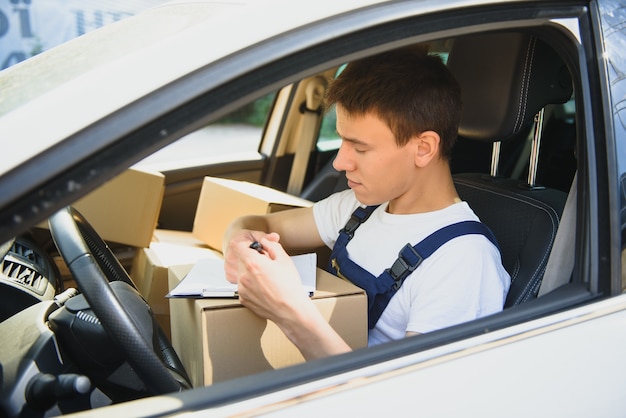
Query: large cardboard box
(150, 269)
(177, 237)
(222, 201)
(220, 339)
(125, 210)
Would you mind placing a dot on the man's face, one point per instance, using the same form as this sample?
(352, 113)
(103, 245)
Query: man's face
(376, 168)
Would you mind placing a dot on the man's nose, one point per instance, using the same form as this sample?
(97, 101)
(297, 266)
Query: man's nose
(342, 160)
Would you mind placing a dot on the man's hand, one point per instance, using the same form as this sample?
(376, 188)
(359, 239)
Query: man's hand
(270, 286)
(268, 281)
(232, 257)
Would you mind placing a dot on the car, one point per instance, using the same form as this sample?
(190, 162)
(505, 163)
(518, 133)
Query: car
(218, 89)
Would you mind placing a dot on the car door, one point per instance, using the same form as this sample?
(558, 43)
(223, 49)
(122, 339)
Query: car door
(504, 345)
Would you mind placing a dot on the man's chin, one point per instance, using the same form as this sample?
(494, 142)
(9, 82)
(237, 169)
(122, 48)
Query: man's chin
(366, 200)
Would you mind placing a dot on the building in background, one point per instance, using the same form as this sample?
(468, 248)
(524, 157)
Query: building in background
(28, 27)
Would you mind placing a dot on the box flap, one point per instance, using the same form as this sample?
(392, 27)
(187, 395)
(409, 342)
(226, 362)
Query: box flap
(262, 193)
(328, 286)
(222, 201)
(169, 254)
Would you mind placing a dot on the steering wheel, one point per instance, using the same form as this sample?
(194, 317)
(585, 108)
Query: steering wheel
(93, 265)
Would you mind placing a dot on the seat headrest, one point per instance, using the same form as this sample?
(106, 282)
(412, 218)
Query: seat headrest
(505, 80)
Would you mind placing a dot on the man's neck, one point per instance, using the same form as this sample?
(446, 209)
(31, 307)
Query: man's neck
(433, 190)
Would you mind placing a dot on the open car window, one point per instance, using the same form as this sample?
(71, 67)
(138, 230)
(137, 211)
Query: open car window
(236, 136)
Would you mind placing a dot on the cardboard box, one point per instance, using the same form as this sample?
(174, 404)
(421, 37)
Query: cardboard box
(150, 271)
(125, 210)
(177, 237)
(220, 339)
(222, 201)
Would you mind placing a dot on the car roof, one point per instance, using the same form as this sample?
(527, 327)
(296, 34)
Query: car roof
(75, 84)
(56, 94)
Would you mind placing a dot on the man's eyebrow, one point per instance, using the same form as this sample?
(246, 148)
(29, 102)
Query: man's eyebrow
(352, 140)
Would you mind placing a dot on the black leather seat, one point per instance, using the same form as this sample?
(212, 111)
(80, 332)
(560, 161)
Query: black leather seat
(506, 79)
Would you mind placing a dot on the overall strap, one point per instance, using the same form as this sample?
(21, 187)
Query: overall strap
(339, 252)
(410, 257)
(380, 289)
(360, 215)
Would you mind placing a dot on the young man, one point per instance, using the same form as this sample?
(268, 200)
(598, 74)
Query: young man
(397, 115)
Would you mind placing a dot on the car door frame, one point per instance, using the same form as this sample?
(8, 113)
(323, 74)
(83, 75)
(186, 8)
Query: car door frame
(380, 20)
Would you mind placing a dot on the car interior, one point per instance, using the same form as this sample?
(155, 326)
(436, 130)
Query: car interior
(515, 162)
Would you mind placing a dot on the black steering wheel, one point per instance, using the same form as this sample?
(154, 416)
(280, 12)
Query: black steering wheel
(93, 265)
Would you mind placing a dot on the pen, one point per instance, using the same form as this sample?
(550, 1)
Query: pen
(256, 245)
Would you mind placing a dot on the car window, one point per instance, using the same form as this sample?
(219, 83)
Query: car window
(328, 139)
(236, 136)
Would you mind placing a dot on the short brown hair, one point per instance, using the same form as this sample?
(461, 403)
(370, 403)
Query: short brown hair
(407, 88)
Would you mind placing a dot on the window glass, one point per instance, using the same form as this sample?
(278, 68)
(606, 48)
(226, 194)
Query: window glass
(234, 137)
(328, 139)
(29, 27)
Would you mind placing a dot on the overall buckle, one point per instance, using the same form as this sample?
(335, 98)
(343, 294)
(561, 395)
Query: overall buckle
(404, 265)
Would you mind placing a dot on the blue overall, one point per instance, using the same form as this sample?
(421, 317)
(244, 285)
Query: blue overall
(380, 289)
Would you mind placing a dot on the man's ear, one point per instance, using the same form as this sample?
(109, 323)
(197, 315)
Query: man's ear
(427, 144)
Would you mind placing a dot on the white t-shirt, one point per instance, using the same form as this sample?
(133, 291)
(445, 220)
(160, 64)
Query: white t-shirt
(463, 280)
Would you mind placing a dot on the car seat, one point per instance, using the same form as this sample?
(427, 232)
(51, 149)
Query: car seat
(507, 79)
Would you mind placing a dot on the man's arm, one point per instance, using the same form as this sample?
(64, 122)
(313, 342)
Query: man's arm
(296, 228)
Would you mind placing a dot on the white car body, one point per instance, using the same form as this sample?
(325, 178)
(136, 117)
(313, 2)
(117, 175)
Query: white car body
(564, 357)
